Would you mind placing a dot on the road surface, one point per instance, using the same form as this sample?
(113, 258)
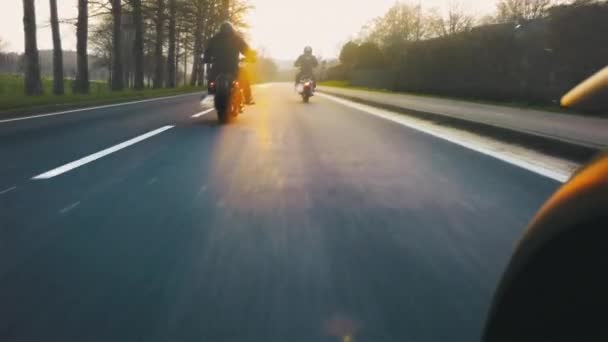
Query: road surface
(297, 222)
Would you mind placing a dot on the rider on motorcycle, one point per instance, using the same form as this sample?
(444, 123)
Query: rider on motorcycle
(306, 62)
(223, 52)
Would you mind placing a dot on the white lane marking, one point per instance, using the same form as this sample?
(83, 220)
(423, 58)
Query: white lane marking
(205, 112)
(69, 208)
(80, 162)
(8, 190)
(94, 108)
(208, 101)
(554, 168)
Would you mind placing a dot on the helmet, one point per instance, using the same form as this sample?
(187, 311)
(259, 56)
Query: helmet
(308, 50)
(226, 27)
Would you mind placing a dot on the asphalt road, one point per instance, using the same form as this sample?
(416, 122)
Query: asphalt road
(297, 222)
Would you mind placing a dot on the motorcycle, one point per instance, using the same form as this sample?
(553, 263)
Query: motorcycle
(306, 88)
(229, 100)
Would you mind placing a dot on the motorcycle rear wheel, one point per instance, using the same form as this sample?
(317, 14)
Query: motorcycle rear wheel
(222, 108)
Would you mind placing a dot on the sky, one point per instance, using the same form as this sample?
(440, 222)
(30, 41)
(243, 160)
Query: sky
(280, 27)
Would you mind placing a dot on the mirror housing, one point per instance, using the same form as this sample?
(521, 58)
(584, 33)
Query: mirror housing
(555, 287)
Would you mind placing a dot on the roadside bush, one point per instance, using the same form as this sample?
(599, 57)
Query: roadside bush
(534, 61)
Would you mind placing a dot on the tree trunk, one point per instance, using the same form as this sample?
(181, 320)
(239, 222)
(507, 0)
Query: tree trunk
(201, 74)
(158, 50)
(185, 60)
(172, 42)
(81, 84)
(197, 50)
(225, 10)
(57, 51)
(117, 77)
(138, 45)
(110, 74)
(194, 72)
(177, 54)
(33, 83)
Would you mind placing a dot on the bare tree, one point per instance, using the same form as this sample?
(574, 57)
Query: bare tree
(518, 10)
(57, 51)
(171, 57)
(117, 73)
(453, 21)
(159, 22)
(402, 23)
(33, 83)
(197, 50)
(238, 10)
(138, 45)
(156, 24)
(225, 13)
(81, 84)
(185, 59)
(101, 43)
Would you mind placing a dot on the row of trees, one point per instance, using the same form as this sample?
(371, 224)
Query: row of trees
(387, 37)
(135, 39)
(532, 50)
(405, 23)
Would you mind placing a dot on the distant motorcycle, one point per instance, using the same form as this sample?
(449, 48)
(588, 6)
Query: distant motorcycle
(229, 100)
(306, 88)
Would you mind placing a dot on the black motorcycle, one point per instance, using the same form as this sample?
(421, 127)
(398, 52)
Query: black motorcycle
(229, 99)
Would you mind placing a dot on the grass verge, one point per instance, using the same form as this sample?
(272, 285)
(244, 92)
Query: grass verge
(14, 102)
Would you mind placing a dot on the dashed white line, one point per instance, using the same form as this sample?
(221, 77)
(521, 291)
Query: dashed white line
(205, 112)
(80, 162)
(69, 208)
(550, 167)
(92, 108)
(208, 101)
(8, 190)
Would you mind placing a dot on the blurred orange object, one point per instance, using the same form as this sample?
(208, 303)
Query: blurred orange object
(592, 93)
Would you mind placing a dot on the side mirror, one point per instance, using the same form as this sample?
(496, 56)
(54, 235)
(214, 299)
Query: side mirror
(556, 285)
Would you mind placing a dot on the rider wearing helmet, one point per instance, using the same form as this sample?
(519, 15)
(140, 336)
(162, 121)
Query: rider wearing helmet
(223, 52)
(306, 62)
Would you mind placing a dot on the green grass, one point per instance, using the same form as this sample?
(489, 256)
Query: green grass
(13, 100)
(513, 104)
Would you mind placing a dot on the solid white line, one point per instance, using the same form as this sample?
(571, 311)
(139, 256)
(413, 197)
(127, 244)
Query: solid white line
(202, 113)
(80, 162)
(8, 190)
(558, 175)
(92, 108)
